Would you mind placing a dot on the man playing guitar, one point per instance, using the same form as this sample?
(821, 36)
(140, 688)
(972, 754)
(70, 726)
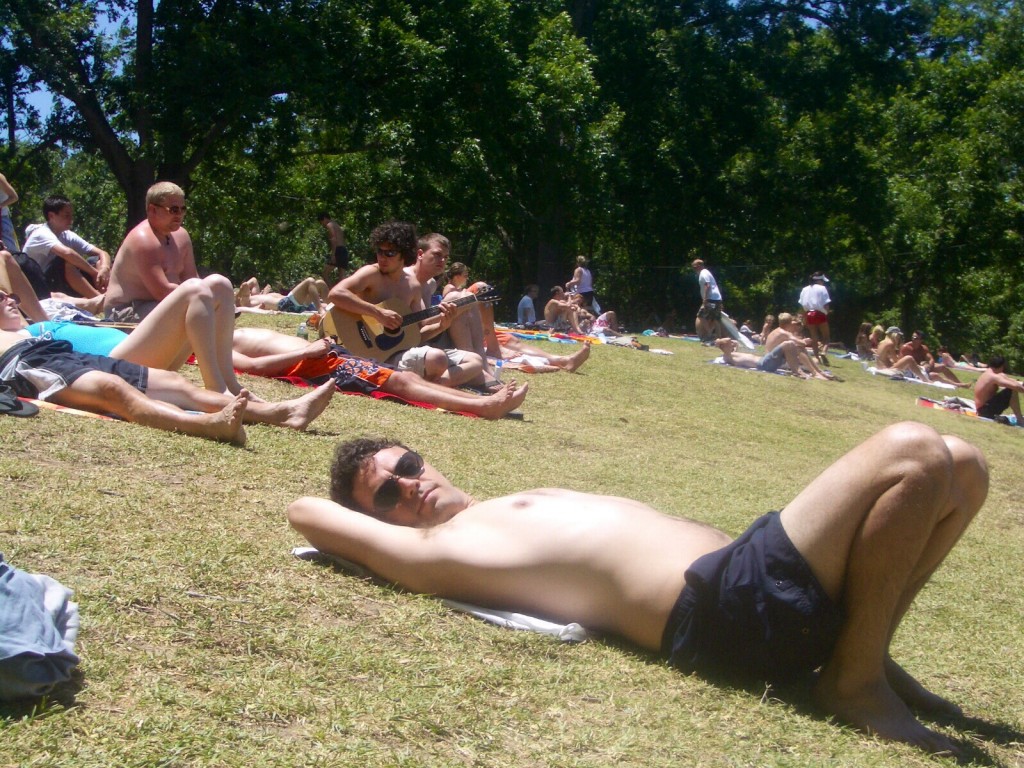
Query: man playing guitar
(363, 292)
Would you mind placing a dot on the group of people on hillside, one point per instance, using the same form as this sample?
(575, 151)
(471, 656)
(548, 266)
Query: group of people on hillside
(153, 285)
(839, 566)
(994, 392)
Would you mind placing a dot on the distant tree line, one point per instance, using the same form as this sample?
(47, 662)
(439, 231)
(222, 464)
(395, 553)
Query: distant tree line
(880, 142)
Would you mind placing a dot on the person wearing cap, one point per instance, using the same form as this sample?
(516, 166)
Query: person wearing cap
(891, 361)
(708, 323)
(815, 301)
(917, 349)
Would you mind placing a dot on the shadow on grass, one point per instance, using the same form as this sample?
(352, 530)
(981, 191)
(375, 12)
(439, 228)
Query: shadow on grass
(61, 698)
(973, 731)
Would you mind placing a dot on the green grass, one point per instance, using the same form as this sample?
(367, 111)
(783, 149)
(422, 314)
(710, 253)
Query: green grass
(205, 643)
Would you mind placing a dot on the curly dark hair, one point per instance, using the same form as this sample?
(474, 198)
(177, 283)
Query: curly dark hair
(400, 234)
(349, 458)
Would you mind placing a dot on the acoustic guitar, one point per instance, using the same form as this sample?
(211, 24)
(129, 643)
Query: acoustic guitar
(366, 336)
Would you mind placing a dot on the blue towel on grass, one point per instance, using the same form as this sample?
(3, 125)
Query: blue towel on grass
(38, 628)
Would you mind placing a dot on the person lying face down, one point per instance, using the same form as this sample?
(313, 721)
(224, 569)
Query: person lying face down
(837, 568)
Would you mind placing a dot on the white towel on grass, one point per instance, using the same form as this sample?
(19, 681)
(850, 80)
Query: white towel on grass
(567, 633)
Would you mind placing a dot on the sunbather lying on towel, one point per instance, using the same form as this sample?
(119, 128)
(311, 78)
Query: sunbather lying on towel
(824, 583)
(787, 353)
(197, 317)
(51, 370)
(267, 353)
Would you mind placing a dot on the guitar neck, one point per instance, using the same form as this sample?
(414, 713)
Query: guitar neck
(423, 314)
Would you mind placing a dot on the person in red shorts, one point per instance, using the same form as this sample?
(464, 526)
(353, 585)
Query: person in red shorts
(263, 352)
(816, 303)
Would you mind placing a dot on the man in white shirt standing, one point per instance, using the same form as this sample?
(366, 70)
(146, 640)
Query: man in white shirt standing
(70, 263)
(709, 315)
(815, 301)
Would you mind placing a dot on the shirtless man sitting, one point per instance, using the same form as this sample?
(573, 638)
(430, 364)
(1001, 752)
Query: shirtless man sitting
(50, 370)
(362, 292)
(891, 362)
(918, 350)
(851, 551)
(788, 329)
(995, 391)
(154, 258)
(560, 314)
(786, 353)
(263, 352)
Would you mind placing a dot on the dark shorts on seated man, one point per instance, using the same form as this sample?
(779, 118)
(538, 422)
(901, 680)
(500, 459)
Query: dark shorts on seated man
(57, 278)
(996, 404)
(772, 361)
(42, 367)
(753, 609)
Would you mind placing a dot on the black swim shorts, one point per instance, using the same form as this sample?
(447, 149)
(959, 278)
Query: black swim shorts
(996, 404)
(42, 367)
(753, 610)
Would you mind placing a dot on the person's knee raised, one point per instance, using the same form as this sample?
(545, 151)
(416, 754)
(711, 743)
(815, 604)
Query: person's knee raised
(219, 283)
(911, 447)
(970, 470)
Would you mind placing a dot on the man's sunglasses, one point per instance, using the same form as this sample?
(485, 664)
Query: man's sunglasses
(174, 210)
(409, 465)
(389, 252)
(12, 296)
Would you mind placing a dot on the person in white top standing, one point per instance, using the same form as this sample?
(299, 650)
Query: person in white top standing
(582, 282)
(8, 197)
(70, 263)
(709, 315)
(816, 303)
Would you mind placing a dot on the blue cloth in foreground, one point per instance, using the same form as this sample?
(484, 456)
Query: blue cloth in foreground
(38, 628)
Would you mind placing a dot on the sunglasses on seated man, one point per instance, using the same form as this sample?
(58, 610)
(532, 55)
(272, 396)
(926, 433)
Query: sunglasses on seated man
(12, 296)
(408, 466)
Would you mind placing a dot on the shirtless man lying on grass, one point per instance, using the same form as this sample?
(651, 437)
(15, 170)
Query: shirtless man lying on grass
(264, 352)
(787, 353)
(51, 370)
(825, 583)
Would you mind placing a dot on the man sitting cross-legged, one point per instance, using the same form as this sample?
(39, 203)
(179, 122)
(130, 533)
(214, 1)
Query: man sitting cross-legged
(264, 352)
(51, 370)
(825, 583)
(787, 353)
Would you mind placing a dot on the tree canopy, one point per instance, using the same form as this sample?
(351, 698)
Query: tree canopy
(878, 141)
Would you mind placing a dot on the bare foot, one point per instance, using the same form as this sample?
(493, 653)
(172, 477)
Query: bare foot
(876, 709)
(916, 695)
(242, 296)
(226, 424)
(578, 359)
(306, 408)
(508, 398)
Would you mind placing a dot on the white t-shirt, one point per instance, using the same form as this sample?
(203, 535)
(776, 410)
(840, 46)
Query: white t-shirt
(708, 286)
(40, 239)
(814, 297)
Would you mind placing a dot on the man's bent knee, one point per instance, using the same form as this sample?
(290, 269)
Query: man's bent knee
(916, 444)
(970, 470)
